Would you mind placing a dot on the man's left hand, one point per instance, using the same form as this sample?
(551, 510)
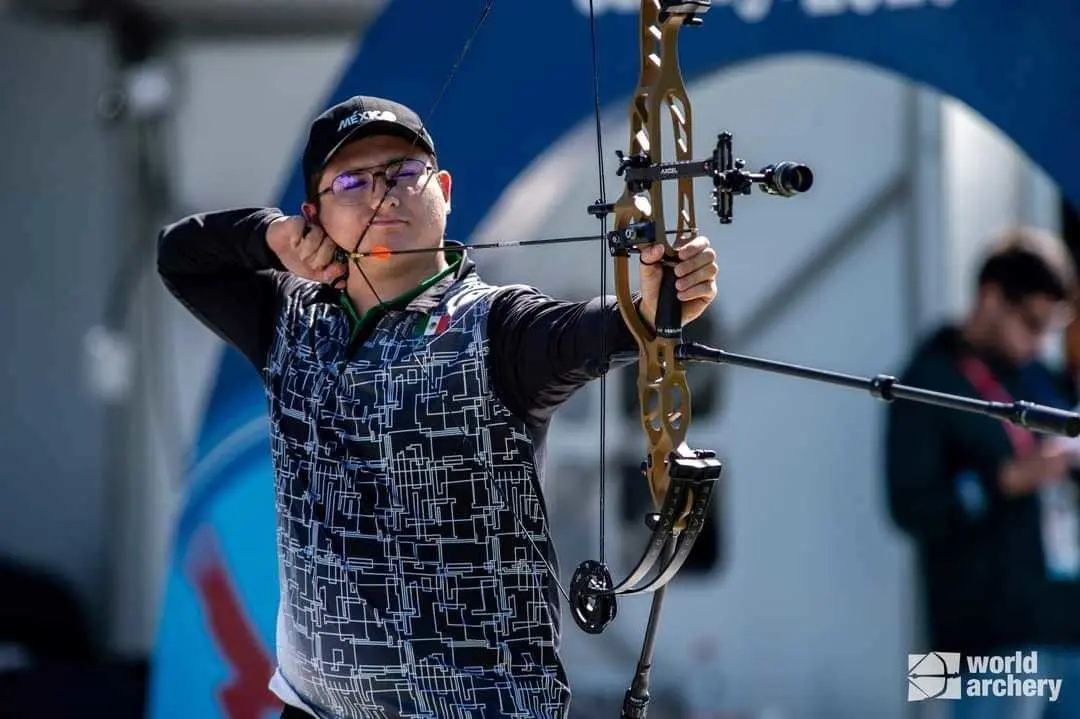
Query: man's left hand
(696, 270)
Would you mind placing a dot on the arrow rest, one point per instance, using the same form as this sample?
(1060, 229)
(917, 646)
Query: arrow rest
(631, 238)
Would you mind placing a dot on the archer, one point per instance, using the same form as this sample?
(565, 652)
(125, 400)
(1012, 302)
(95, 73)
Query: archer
(408, 405)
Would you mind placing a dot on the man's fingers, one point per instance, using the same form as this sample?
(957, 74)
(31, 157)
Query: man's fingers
(297, 229)
(694, 254)
(703, 290)
(323, 256)
(335, 272)
(652, 254)
(702, 275)
(310, 244)
(695, 268)
(693, 247)
(304, 249)
(299, 236)
(285, 233)
(702, 258)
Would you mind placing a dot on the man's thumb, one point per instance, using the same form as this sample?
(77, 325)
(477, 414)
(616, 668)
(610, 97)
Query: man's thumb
(335, 272)
(651, 269)
(652, 254)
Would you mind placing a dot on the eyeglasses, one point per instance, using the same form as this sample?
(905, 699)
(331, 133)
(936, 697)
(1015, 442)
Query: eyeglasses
(354, 187)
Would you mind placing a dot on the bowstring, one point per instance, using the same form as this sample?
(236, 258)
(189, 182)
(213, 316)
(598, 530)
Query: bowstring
(389, 184)
(603, 274)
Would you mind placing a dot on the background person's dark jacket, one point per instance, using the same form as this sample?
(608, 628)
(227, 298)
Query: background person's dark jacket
(980, 553)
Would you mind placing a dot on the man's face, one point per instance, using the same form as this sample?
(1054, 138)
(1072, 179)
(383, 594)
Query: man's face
(1023, 327)
(413, 212)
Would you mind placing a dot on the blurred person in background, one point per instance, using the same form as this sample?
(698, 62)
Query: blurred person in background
(991, 507)
(409, 403)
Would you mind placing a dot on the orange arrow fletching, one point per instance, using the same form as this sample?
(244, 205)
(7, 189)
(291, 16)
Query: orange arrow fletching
(381, 252)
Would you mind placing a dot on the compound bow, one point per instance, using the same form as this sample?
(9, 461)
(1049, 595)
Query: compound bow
(681, 479)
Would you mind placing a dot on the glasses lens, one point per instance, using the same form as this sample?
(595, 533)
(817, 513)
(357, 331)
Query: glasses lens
(406, 170)
(350, 187)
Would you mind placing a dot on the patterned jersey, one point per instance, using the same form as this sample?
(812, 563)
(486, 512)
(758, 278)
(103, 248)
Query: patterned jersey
(414, 555)
(410, 519)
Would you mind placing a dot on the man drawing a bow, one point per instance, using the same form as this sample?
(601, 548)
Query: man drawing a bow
(408, 403)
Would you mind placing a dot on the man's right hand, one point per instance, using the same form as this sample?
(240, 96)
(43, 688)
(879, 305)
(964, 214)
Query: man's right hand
(305, 250)
(1023, 476)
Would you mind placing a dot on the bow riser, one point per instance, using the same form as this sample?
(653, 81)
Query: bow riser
(662, 388)
(675, 473)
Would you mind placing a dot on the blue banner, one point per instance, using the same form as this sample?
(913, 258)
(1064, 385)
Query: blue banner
(527, 80)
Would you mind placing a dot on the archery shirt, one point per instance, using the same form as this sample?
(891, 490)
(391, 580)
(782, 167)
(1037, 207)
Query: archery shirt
(408, 451)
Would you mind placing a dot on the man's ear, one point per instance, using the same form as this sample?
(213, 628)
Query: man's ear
(445, 184)
(310, 212)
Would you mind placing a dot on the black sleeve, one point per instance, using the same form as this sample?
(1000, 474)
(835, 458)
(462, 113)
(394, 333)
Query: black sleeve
(220, 268)
(937, 487)
(543, 350)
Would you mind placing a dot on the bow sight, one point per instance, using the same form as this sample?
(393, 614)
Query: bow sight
(728, 175)
(729, 178)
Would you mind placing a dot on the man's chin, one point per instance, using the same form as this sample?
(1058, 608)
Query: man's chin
(387, 240)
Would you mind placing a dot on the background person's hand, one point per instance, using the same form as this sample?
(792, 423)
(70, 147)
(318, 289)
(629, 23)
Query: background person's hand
(1023, 476)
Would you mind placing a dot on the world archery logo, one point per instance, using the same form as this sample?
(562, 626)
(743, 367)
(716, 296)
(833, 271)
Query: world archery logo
(934, 675)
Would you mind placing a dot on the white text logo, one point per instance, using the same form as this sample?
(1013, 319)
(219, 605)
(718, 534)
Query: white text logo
(937, 675)
(357, 117)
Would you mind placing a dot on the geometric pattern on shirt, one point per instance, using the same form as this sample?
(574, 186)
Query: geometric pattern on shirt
(407, 588)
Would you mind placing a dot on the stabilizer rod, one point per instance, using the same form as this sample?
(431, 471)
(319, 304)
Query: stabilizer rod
(1037, 417)
(636, 700)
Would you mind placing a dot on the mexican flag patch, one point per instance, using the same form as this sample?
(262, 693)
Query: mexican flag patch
(436, 325)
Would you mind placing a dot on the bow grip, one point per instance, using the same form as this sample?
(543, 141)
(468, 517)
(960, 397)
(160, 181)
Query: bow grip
(668, 320)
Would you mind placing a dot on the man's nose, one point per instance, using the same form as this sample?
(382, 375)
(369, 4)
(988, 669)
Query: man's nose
(382, 193)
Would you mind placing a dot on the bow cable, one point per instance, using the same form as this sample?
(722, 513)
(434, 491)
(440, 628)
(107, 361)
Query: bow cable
(603, 274)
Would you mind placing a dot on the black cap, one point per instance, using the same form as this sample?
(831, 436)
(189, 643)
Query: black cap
(354, 118)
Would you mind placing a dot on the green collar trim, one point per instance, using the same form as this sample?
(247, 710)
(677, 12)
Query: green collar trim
(359, 323)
